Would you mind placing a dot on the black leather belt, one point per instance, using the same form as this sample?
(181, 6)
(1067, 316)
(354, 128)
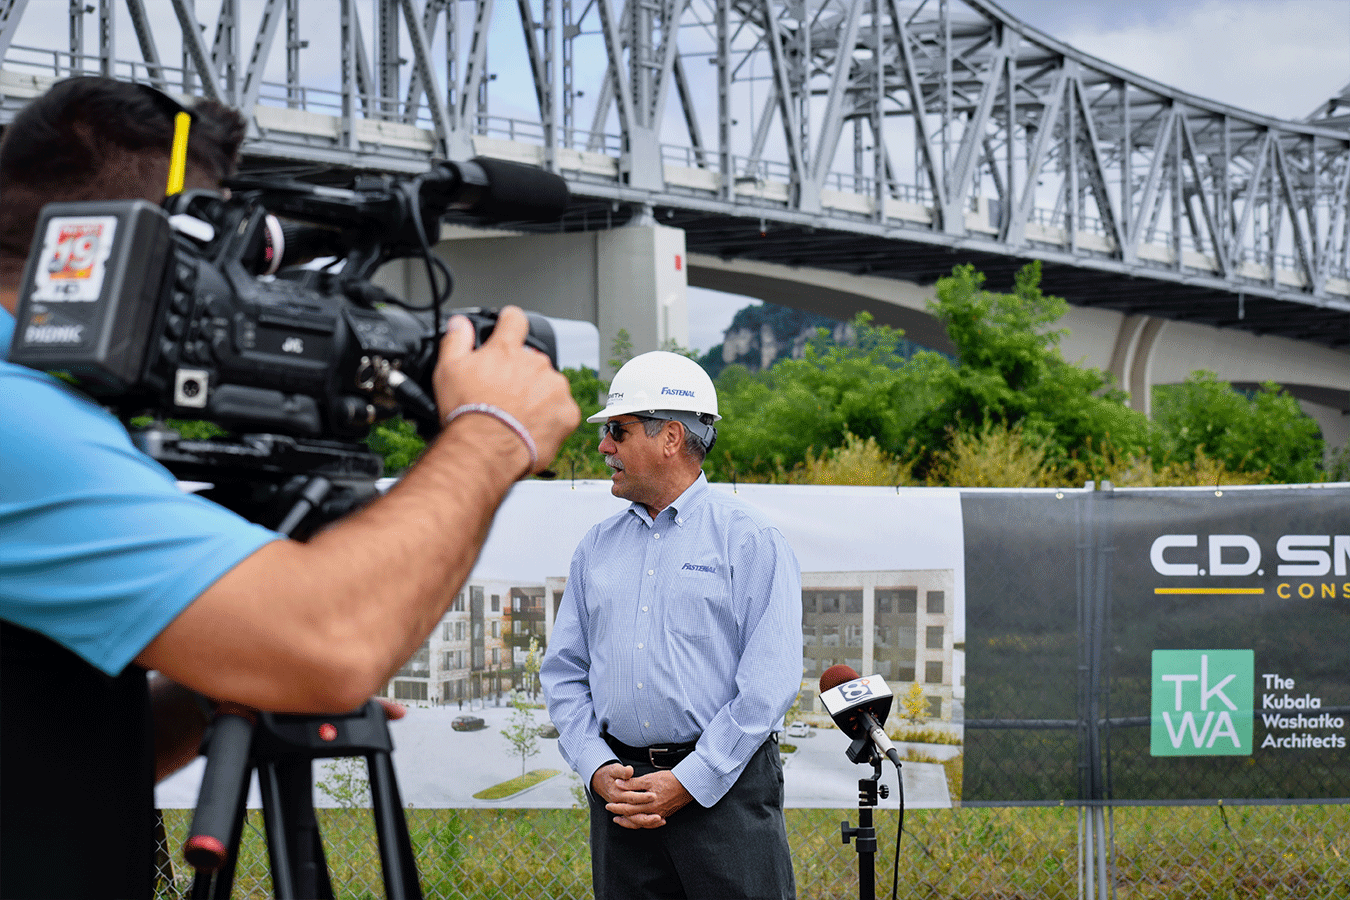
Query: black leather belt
(660, 756)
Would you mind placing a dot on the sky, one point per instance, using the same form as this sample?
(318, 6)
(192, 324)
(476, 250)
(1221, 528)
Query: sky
(1282, 58)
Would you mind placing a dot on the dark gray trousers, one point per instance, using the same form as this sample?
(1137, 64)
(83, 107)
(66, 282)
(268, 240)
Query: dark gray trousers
(735, 850)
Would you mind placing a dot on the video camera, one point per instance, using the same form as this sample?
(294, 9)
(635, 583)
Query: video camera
(198, 309)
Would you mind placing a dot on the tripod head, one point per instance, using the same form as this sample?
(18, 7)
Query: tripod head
(292, 485)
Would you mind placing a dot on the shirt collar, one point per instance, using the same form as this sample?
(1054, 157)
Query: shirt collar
(682, 506)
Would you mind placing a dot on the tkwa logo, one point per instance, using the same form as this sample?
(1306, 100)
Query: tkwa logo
(1202, 702)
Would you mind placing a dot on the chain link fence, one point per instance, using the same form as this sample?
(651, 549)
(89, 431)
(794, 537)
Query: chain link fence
(988, 853)
(1057, 789)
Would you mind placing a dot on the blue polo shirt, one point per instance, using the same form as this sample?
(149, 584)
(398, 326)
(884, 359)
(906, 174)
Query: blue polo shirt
(99, 548)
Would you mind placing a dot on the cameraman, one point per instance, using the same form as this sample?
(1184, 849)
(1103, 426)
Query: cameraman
(108, 571)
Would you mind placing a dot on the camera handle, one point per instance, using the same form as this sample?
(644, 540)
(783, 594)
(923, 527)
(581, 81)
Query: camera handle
(282, 748)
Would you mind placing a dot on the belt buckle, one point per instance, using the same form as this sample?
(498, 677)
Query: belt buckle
(653, 752)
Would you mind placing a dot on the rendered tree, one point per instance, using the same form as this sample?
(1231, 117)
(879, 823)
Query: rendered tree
(521, 733)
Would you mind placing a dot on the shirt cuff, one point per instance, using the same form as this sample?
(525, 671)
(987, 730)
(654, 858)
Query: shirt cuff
(702, 783)
(595, 756)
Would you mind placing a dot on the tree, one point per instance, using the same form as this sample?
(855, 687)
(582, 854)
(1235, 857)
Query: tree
(346, 780)
(533, 660)
(1010, 372)
(622, 349)
(1262, 431)
(398, 442)
(579, 456)
(995, 455)
(521, 733)
(857, 462)
(1006, 410)
(774, 419)
(914, 704)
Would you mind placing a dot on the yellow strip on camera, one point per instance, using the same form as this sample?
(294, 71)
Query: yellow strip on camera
(178, 159)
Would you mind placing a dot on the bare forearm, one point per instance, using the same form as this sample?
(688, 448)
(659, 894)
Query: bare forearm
(400, 562)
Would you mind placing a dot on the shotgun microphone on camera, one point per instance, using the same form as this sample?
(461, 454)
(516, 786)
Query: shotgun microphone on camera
(858, 706)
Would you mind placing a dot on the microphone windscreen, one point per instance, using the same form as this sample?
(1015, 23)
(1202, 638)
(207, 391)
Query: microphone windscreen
(835, 676)
(521, 193)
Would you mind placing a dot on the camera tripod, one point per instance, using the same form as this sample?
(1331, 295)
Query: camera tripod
(297, 487)
(281, 749)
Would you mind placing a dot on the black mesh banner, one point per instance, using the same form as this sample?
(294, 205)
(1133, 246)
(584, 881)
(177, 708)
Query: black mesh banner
(1157, 645)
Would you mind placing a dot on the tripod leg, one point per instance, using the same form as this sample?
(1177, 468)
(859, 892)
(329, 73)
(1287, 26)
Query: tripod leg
(308, 865)
(224, 881)
(294, 845)
(396, 853)
(278, 840)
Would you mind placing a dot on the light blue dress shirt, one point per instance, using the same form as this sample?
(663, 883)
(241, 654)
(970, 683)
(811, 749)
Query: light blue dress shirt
(679, 628)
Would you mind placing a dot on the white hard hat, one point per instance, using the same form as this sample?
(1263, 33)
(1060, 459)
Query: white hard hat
(659, 382)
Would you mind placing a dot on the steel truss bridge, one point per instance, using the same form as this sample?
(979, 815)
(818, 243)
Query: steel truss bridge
(892, 138)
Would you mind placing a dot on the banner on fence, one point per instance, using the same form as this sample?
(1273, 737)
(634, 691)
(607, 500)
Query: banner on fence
(1043, 646)
(1146, 645)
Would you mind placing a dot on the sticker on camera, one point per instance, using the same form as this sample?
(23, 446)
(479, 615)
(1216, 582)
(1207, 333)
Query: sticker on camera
(74, 259)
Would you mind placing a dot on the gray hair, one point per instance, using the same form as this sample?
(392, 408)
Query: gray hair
(694, 445)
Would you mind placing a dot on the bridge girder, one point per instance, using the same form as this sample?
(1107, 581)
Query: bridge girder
(921, 127)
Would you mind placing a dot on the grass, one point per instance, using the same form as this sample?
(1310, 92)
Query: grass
(926, 735)
(1160, 853)
(515, 785)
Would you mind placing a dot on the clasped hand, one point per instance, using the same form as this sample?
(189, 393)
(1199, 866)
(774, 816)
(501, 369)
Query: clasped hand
(646, 801)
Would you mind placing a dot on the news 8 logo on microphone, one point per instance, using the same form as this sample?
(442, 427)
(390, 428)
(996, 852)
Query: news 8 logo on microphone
(857, 690)
(845, 703)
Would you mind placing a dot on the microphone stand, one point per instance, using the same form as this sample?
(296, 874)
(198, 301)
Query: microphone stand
(862, 750)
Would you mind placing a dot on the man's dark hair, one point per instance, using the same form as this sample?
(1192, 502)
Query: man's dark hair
(96, 138)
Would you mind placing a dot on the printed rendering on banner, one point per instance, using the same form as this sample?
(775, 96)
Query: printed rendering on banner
(882, 592)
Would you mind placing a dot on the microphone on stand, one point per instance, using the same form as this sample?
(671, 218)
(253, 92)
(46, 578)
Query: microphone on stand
(858, 706)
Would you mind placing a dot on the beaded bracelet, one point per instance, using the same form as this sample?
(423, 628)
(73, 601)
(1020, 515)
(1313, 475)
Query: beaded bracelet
(505, 418)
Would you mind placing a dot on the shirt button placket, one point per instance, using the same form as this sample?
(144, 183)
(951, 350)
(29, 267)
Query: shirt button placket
(643, 633)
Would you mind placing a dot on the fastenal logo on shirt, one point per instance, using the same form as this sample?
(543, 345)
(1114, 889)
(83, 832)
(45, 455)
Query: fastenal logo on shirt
(711, 570)
(1202, 702)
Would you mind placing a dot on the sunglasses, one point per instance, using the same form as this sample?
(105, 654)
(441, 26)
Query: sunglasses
(616, 429)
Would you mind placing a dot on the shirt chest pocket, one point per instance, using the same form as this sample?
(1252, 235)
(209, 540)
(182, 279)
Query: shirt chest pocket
(700, 609)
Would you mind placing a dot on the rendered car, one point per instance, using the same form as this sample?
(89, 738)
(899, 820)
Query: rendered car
(467, 723)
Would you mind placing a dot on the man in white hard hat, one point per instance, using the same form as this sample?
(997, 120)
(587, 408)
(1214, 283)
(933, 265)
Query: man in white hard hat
(675, 653)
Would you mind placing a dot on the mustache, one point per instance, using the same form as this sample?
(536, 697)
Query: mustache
(613, 462)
